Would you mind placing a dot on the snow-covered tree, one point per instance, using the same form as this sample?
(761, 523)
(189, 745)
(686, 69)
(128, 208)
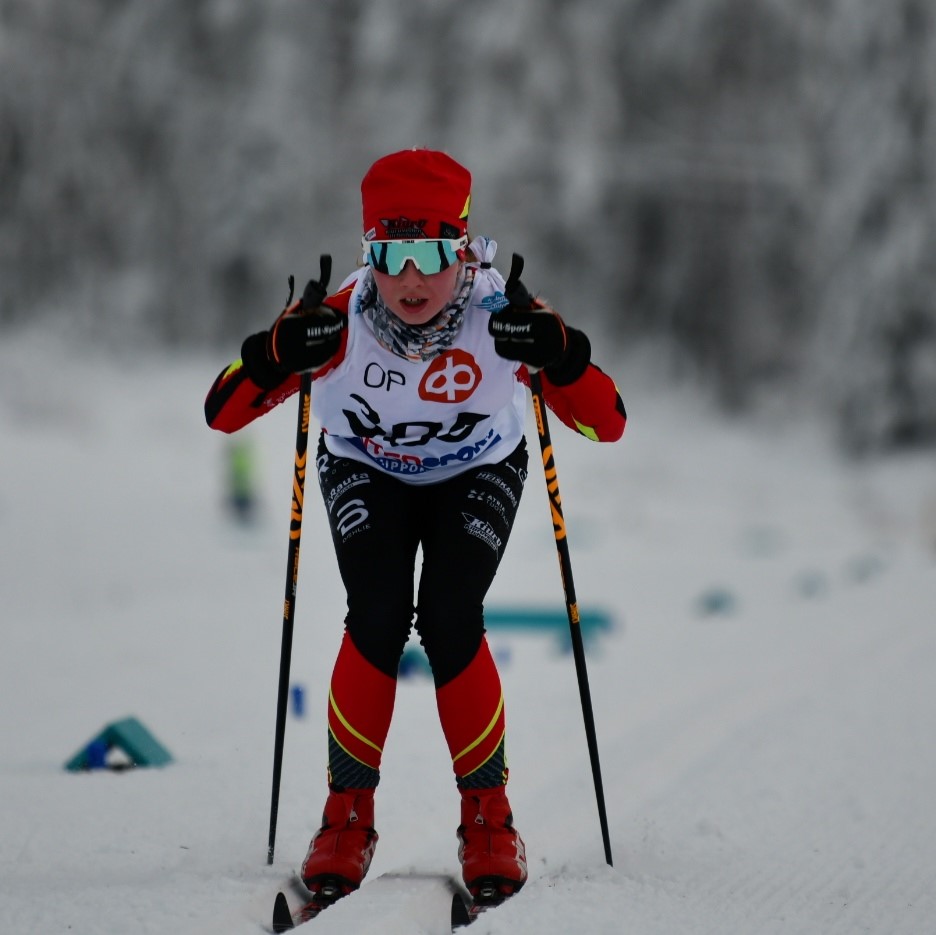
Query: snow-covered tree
(750, 180)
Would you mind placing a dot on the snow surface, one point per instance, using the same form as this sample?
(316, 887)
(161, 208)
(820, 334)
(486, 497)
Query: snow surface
(766, 706)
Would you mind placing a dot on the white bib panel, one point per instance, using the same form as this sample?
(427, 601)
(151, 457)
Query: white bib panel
(424, 421)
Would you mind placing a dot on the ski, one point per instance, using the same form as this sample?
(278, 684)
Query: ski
(461, 911)
(282, 914)
(310, 904)
(466, 909)
(398, 898)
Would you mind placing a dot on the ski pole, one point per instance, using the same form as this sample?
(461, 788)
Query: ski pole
(518, 295)
(312, 297)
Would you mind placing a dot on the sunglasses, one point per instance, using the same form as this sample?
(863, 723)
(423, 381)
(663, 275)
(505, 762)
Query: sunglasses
(428, 256)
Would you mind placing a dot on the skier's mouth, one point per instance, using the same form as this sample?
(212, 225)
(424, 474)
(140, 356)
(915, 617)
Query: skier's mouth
(413, 305)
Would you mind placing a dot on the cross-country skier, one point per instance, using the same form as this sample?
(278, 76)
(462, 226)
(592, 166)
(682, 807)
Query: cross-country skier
(419, 364)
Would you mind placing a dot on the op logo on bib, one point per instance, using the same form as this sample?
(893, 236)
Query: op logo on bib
(451, 378)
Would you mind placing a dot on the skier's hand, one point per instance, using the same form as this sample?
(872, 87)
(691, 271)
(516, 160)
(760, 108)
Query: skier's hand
(306, 339)
(535, 337)
(526, 330)
(303, 339)
(532, 333)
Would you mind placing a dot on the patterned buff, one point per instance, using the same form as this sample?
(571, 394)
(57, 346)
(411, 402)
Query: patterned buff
(415, 342)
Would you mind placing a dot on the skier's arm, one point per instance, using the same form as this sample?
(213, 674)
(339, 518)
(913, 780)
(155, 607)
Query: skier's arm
(591, 404)
(579, 392)
(235, 399)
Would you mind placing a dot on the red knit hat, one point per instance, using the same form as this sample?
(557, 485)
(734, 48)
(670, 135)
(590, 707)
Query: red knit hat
(416, 193)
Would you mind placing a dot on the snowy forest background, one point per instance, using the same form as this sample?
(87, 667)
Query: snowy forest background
(746, 189)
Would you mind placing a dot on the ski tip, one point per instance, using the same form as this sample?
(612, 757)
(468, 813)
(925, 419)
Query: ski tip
(460, 914)
(282, 915)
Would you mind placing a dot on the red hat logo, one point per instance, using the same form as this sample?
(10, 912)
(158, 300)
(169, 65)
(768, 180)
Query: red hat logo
(403, 228)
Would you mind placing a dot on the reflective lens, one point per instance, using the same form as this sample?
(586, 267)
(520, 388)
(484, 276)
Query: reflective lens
(428, 256)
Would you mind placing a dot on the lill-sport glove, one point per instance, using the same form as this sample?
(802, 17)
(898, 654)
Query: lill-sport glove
(302, 340)
(533, 334)
(306, 340)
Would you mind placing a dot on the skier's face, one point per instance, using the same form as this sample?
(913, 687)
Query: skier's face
(415, 297)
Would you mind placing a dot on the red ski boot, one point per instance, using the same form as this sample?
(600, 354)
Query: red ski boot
(342, 849)
(492, 854)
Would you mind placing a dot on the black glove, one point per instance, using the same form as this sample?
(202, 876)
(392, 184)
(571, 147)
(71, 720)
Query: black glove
(306, 340)
(535, 335)
(302, 339)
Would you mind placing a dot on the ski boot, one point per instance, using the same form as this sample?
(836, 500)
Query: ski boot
(491, 852)
(342, 849)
